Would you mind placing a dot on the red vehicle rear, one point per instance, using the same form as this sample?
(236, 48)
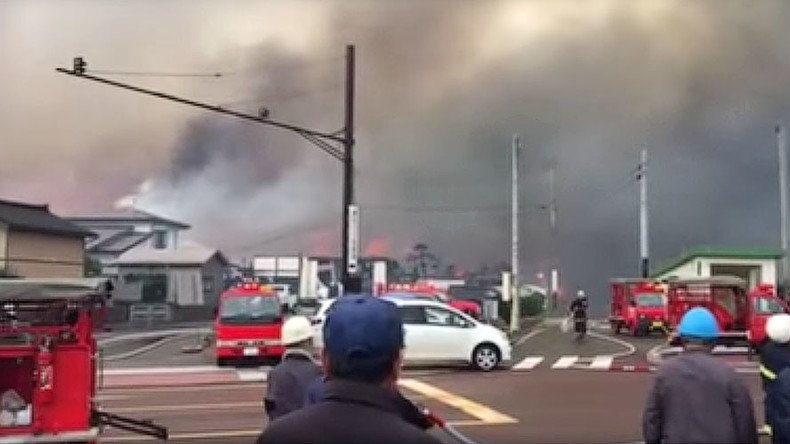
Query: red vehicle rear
(741, 315)
(419, 289)
(248, 324)
(48, 367)
(637, 305)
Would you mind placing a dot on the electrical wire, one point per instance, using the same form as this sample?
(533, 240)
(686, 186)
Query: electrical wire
(157, 74)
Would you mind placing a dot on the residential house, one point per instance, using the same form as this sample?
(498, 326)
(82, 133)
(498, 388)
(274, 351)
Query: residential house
(183, 283)
(120, 231)
(36, 243)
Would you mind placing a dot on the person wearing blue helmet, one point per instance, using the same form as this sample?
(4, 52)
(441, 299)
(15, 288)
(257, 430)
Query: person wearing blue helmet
(696, 398)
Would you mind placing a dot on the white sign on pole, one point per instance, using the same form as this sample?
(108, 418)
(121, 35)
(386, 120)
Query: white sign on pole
(353, 239)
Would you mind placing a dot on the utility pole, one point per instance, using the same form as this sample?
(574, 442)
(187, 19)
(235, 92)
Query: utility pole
(643, 226)
(553, 287)
(350, 210)
(781, 146)
(326, 141)
(514, 288)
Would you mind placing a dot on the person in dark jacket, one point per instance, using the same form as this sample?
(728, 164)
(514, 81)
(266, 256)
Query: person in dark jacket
(695, 398)
(774, 358)
(407, 409)
(778, 400)
(288, 382)
(362, 356)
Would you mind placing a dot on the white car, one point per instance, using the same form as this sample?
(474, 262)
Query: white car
(438, 334)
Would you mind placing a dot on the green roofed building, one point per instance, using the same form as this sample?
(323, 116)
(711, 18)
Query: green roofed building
(755, 265)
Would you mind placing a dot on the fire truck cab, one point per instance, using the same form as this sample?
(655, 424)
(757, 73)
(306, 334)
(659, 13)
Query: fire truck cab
(637, 305)
(741, 314)
(248, 324)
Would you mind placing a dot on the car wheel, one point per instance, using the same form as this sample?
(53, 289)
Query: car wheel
(486, 357)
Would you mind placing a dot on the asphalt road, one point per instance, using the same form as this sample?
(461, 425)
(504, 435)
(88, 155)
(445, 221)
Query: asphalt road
(548, 406)
(543, 405)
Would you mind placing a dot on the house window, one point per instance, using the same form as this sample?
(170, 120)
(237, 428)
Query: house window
(208, 284)
(160, 240)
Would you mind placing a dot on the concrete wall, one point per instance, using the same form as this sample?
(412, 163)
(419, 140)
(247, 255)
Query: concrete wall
(213, 274)
(33, 254)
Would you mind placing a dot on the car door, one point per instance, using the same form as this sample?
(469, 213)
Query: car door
(415, 337)
(447, 335)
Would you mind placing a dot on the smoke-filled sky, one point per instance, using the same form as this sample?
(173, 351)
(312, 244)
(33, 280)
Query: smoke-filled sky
(442, 86)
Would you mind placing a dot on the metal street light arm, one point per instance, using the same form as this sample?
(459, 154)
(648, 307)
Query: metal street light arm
(218, 109)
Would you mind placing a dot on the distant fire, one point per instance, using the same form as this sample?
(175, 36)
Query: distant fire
(377, 247)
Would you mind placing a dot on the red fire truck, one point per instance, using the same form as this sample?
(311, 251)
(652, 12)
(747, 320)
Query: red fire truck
(248, 323)
(637, 305)
(741, 314)
(48, 365)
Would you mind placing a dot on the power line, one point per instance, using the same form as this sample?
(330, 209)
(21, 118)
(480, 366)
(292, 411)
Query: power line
(449, 209)
(159, 74)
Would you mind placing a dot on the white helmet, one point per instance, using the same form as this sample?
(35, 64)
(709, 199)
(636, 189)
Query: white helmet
(581, 294)
(778, 328)
(296, 329)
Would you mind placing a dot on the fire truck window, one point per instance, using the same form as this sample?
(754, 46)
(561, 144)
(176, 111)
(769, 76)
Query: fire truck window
(252, 310)
(767, 306)
(649, 300)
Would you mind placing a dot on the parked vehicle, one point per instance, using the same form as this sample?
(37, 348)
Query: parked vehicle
(741, 315)
(439, 334)
(638, 306)
(49, 365)
(248, 323)
(471, 308)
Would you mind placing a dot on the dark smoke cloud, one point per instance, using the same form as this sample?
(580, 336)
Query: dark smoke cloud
(442, 88)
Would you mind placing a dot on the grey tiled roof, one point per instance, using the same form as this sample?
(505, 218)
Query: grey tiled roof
(27, 217)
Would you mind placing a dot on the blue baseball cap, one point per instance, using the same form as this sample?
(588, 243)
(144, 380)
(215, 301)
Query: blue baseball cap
(362, 326)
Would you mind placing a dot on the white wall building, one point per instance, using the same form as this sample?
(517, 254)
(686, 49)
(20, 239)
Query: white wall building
(755, 265)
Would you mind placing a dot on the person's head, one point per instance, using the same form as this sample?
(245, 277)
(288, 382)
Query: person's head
(297, 332)
(363, 340)
(778, 328)
(698, 329)
(580, 294)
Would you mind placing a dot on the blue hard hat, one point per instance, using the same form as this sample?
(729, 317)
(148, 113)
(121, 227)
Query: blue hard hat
(698, 323)
(363, 326)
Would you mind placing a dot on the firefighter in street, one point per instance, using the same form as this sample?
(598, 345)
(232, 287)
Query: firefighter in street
(774, 358)
(288, 382)
(578, 311)
(696, 398)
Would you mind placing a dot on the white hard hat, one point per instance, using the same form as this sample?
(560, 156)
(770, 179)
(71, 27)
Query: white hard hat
(296, 329)
(580, 294)
(778, 328)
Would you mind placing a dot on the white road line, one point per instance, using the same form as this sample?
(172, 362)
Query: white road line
(565, 362)
(528, 363)
(602, 362)
(529, 335)
(252, 375)
(161, 370)
(630, 348)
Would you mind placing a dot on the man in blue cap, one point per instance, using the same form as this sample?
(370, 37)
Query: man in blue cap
(362, 357)
(696, 398)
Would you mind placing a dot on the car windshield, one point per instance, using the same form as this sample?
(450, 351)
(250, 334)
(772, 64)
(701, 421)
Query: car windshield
(249, 310)
(763, 305)
(649, 300)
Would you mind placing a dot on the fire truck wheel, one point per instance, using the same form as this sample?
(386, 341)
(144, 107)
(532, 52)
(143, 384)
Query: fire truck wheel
(222, 362)
(486, 357)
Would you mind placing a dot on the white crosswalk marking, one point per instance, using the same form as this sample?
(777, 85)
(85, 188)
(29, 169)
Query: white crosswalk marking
(565, 362)
(252, 375)
(529, 363)
(602, 362)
